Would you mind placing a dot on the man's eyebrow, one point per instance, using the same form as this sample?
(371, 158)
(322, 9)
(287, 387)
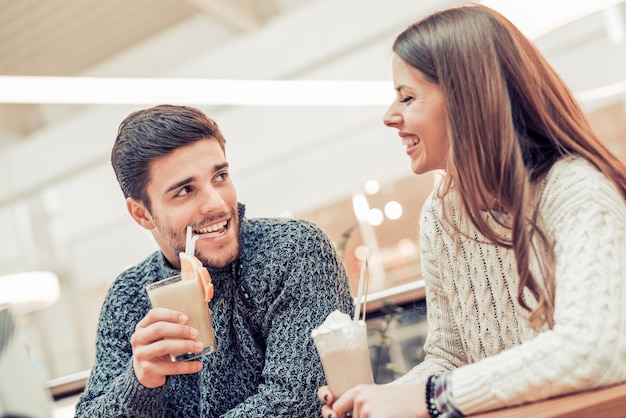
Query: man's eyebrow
(216, 168)
(179, 184)
(219, 167)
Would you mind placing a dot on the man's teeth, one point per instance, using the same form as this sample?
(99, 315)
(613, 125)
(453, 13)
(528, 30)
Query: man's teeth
(410, 141)
(212, 228)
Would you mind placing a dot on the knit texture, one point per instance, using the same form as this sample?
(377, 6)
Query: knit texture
(477, 327)
(266, 364)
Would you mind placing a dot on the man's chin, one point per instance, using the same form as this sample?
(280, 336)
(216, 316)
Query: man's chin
(218, 259)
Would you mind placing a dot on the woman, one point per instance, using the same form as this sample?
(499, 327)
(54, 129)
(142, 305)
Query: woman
(523, 242)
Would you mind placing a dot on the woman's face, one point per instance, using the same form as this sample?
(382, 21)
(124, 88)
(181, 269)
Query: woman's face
(419, 115)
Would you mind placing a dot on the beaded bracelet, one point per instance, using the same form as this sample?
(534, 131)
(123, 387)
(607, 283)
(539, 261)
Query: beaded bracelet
(433, 412)
(443, 399)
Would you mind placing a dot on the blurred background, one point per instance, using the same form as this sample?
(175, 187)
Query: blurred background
(326, 157)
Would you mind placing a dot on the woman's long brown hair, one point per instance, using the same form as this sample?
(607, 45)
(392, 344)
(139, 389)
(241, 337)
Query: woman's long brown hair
(510, 117)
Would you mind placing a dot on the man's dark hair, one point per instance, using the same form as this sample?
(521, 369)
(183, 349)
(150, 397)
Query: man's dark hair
(149, 134)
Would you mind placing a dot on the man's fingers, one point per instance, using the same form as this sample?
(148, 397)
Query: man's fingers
(161, 314)
(158, 335)
(151, 373)
(164, 347)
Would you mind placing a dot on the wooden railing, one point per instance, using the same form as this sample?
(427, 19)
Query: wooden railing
(73, 384)
(599, 403)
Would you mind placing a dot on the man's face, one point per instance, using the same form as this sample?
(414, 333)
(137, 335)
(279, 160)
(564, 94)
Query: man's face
(192, 186)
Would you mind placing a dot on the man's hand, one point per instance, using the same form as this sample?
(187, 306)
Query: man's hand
(161, 332)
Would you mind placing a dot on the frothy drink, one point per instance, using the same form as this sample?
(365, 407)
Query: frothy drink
(185, 296)
(342, 346)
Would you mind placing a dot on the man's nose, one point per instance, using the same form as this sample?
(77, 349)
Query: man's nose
(211, 200)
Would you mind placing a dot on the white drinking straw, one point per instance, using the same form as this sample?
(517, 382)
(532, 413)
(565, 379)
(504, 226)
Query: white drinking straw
(190, 242)
(361, 299)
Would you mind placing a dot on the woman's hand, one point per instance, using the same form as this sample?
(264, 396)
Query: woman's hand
(160, 332)
(376, 401)
(324, 395)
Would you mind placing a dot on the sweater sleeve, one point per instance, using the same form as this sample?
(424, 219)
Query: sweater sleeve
(314, 284)
(112, 389)
(586, 218)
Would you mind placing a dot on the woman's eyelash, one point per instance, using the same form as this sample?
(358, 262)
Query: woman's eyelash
(406, 99)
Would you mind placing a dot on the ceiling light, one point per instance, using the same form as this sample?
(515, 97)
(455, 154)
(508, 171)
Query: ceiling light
(614, 23)
(603, 92)
(30, 291)
(533, 17)
(193, 91)
(538, 17)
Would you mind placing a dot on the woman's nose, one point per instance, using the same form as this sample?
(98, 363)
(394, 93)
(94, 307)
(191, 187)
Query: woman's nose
(391, 118)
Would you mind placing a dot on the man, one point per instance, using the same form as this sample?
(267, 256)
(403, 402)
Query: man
(275, 280)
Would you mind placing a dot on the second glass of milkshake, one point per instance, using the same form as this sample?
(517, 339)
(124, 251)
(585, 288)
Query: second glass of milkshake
(342, 346)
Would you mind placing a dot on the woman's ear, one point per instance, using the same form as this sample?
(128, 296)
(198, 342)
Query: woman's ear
(140, 214)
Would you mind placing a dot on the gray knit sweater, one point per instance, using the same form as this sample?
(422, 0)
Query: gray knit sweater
(286, 281)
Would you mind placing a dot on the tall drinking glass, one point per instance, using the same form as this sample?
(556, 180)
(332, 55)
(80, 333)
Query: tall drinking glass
(186, 296)
(342, 346)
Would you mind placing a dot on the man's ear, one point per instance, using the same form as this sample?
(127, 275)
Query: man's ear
(140, 214)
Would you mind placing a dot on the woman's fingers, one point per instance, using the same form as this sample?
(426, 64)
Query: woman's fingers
(324, 395)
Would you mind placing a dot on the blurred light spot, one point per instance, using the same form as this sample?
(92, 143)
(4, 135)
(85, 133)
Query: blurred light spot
(393, 209)
(371, 187)
(375, 217)
(407, 247)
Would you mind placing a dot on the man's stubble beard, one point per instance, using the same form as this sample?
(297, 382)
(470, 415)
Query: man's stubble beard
(208, 262)
(178, 242)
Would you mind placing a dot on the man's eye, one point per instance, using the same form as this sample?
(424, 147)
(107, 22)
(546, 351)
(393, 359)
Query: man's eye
(183, 191)
(406, 99)
(222, 176)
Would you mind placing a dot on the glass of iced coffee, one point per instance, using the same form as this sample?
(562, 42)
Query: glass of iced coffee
(188, 293)
(342, 346)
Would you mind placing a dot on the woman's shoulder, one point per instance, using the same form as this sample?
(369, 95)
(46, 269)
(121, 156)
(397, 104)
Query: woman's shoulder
(574, 182)
(441, 198)
(572, 165)
(573, 176)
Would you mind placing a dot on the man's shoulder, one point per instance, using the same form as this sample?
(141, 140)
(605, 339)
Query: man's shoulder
(147, 271)
(282, 226)
(283, 236)
(280, 221)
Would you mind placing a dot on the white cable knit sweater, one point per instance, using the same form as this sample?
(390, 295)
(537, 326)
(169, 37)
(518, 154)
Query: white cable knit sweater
(477, 327)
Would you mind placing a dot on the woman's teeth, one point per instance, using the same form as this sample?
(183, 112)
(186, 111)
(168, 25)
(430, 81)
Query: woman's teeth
(410, 141)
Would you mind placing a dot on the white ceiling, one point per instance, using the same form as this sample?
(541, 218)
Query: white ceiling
(74, 37)
(283, 158)
(60, 206)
